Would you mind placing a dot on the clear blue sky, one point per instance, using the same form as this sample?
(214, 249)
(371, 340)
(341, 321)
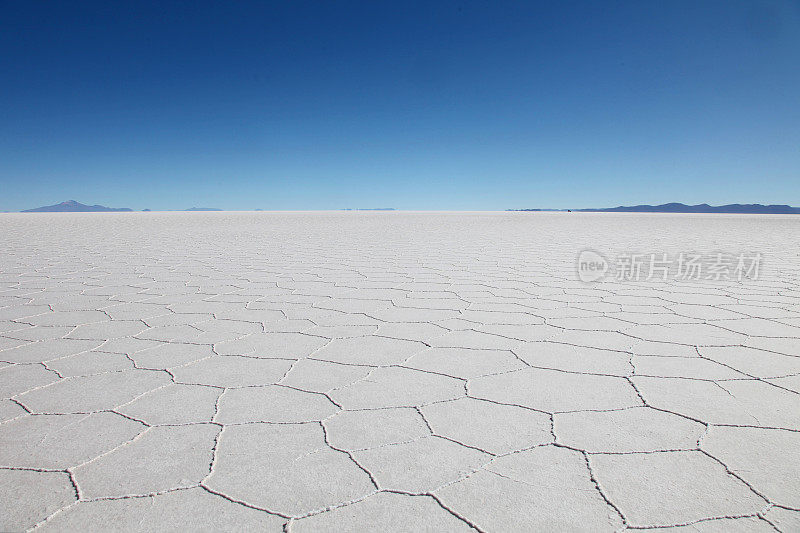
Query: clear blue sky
(413, 105)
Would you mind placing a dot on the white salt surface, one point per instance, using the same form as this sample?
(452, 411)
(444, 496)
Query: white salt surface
(394, 371)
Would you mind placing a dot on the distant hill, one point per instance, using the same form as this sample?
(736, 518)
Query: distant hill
(674, 207)
(701, 208)
(203, 209)
(71, 206)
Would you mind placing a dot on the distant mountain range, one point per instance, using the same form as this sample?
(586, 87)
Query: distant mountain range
(71, 206)
(704, 208)
(683, 208)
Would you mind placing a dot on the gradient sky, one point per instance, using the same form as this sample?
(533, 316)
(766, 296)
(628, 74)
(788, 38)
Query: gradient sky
(412, 105)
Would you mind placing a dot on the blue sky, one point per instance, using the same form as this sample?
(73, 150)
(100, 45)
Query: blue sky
(412, 105)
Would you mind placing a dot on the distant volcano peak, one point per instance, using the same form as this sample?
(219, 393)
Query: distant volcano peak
(73, 206)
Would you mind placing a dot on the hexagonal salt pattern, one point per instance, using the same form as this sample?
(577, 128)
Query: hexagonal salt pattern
(393, 372)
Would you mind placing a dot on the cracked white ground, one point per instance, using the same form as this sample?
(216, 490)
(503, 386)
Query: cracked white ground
(393, 371)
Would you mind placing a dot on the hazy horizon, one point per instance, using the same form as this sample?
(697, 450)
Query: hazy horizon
(205, 208)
